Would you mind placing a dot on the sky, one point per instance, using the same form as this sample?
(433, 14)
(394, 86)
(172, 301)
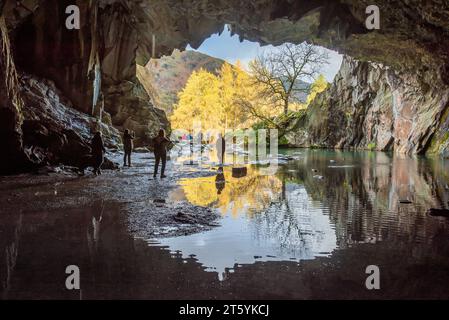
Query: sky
(230, 49)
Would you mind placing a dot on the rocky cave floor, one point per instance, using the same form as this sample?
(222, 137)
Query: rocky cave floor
(145, 201)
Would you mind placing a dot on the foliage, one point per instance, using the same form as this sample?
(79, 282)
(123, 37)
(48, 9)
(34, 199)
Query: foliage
(235, 99)
(279, 71)
(318, 86)
(216, 100)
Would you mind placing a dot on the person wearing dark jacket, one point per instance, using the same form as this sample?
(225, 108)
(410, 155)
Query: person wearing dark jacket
(221, 149)
(98, 151)
(160, 152)
(128, 147)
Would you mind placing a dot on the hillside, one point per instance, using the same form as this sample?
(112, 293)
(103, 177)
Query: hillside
(164, 78)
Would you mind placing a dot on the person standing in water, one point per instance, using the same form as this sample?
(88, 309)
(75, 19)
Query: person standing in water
(128, 147)
(221, 149)
(98, 151)
(160, 152)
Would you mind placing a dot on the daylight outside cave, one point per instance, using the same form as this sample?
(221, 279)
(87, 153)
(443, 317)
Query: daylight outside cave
(231, 151)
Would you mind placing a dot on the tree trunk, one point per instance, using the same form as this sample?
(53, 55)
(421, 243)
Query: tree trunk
(286, 107)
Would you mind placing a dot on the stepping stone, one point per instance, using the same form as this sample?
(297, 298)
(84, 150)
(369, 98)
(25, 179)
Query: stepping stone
(239, 172)
(438, 212)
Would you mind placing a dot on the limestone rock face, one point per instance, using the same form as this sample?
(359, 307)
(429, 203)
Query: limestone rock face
(100, 57)
(131, 108)
(43, 46)
(53, 131)
(11, 106)
(370, 106)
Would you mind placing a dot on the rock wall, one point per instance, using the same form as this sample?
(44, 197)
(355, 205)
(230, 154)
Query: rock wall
(371, 106)
(45, 47)
(53, 131)
(11, 106)
(131, 108)
(101, 54)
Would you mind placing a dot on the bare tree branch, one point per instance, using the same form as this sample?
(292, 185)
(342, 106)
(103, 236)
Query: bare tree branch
(278, 72)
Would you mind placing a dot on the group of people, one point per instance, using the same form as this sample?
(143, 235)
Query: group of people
(160, 144)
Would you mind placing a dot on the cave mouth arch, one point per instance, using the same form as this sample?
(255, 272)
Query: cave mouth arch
(165, 78)
(411, 41)
(231, 48)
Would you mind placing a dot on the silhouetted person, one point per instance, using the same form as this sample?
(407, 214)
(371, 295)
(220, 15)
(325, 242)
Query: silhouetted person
(191, 147)
(221, 148)
(128, 147)
(160, 152)
(98, 151)
(220, 181)
(191, 143)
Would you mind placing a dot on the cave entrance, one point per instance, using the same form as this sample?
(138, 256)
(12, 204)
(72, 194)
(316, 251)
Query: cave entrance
(208, 84)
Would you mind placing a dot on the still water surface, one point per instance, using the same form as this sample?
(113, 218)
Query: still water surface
(308, 231)
(316, 204)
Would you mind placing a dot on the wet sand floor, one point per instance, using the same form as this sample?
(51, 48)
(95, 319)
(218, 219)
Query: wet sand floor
(292, 235)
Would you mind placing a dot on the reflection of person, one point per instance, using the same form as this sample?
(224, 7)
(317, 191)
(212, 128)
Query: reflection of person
(220, 181)
(98, 151)
(94, 232)
(221, 148)
(128, 147)
(160, 152)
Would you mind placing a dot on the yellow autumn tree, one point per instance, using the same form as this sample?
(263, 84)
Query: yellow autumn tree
(198, 101)
(215, 100)
(318, 86)
(232, 99)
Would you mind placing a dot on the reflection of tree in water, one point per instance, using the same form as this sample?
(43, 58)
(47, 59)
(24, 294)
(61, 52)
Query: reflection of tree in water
(362, 201)
(294, 225)
(363, 198)
(359, 195)
(247, 195)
